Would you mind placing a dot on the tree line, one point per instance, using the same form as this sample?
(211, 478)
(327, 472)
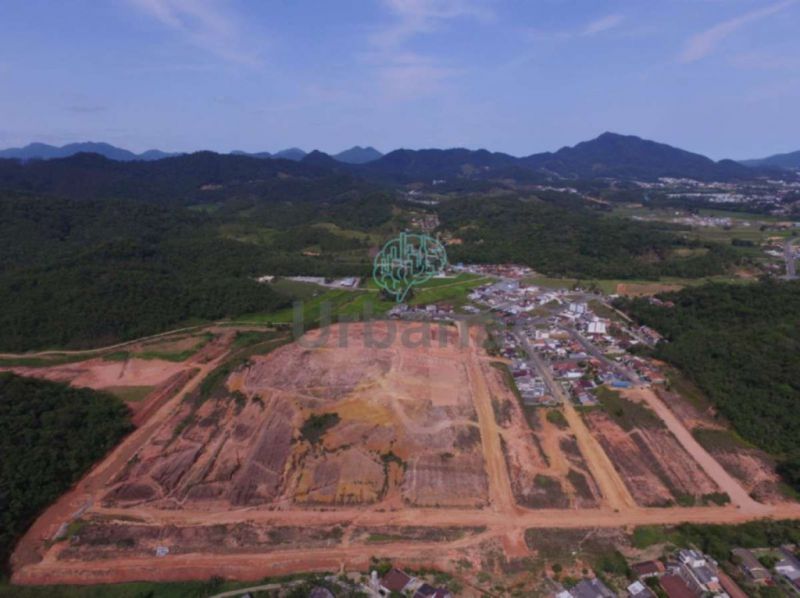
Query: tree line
(741, 345)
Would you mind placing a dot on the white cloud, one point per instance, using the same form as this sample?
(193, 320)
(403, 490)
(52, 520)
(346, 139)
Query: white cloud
(704, 43)
(603, 24)
(591, 28)
(414, 17)
(408, 76)
(402, 74)
(205, 24)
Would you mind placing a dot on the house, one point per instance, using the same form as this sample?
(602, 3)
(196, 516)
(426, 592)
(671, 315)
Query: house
(751, 566)
(394, 581)
(730, 587)
(647, 569)
(789, 567)
(577, 308)
(638, 590)
(592, 588)
(698, 571)
(597, 327)
(675, 587)
(425, 591)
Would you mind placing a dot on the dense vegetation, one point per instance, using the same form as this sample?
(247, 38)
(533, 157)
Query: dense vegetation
(719, 540)
(50, 435)
(741, 345)
(186, 179)
(315, 426)
(572, 242)
(85, 274)
(91, 272)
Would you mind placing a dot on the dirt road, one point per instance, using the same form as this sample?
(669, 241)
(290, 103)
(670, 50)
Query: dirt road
(503, 520)
(254, 566)
(615, 493)
(79, 499)
(500, 493)
(722, 478)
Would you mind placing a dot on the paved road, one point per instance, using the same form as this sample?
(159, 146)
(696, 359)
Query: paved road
(788, 256)
(594, 351)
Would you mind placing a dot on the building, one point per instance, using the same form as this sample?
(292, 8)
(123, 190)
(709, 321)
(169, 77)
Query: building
(597, 327)
(638, 590)
(577, 308)
(752, 568)
(675, 587)
(394, 581)
(425, 591)
(428, 591)
(789, 568)
(730, 587)
(698, 571)
(592, 588)
(647, 569)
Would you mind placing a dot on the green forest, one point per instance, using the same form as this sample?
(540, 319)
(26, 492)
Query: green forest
(574, 242)
(741, 345)
(50, 435)
(81, 274)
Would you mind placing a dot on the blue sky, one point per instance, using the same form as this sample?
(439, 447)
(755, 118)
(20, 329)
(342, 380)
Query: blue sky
(721, 77)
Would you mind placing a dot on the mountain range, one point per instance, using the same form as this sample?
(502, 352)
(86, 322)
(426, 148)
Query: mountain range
(608, 156)
(790, 161)
(43, 151)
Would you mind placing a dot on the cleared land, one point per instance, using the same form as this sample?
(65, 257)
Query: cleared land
(322, 453)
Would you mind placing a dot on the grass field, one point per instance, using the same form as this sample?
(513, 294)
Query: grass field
(162, 349)
(42, 362)
(348, 304)
(296, 289)
(130, 394)
(338, 303)
(442, 290)
(680, 384)
(609, 286)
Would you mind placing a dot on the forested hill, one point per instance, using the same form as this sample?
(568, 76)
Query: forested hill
(741, 345)
(573, 242)
(207, 177)
(609, 155)
(195, 178)
(84, 274)
(50, 435)
(630, 157)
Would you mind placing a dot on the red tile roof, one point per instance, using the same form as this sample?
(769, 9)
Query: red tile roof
(648, 568)
(675, 587)
(395, 580)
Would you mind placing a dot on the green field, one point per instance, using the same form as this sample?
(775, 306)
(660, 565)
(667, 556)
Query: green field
(609, 287)
(130, 394)
(349, 304)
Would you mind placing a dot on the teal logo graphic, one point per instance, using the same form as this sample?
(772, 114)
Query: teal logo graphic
(408, 260)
